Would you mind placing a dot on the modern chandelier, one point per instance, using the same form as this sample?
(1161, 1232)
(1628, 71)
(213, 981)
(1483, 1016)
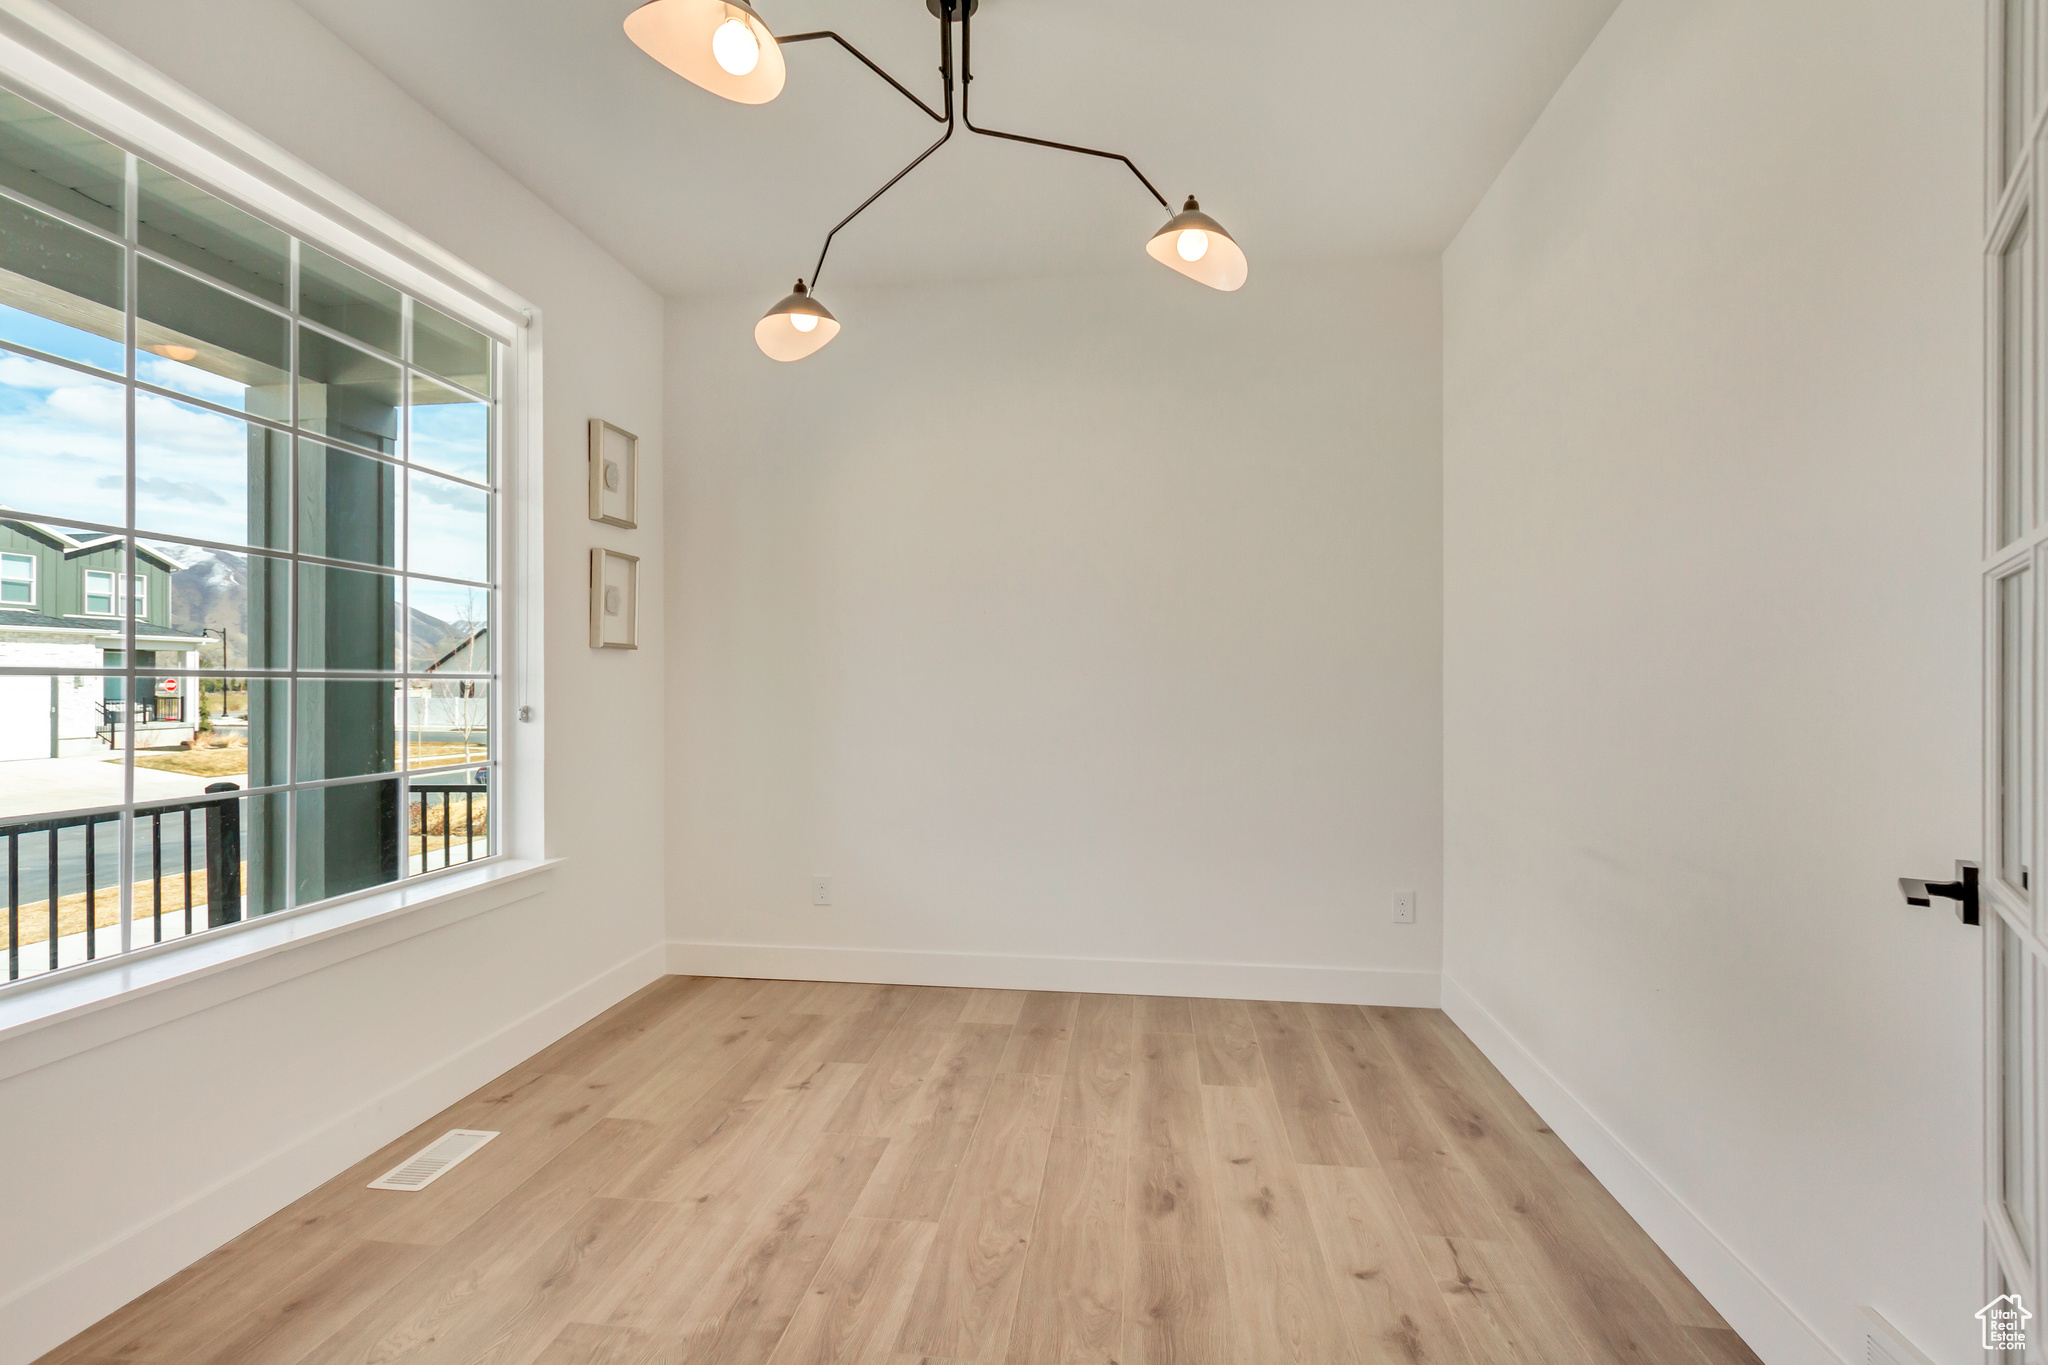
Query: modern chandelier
(723, 46)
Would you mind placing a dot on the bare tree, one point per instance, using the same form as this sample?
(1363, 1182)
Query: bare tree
(471, 713)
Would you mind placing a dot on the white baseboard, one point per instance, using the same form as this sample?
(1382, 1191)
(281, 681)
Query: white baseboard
(1106, 976)
(1771, 1327)
(50, 1310)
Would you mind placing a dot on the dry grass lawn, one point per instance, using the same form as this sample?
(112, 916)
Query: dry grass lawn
(455, 824)
(229, 762)
(35, 916)
(215, 759)
(468, 823)
(234, 703)
(433, 754)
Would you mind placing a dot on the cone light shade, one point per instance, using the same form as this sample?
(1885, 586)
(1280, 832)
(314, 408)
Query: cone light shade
(781, 335)
(1212, 258)
(680, 35)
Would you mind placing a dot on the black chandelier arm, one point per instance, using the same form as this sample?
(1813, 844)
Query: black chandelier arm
(946, 75)
(967, 84)
(943, 138)
(1067, 147)
(862, 57)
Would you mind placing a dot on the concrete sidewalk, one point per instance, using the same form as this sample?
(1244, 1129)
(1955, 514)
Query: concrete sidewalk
(47, 786)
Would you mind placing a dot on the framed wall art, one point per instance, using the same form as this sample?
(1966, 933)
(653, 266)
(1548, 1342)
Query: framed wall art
(614, 600)
(614, 475)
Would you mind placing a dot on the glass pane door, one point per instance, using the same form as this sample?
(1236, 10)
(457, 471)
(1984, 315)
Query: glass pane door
(2016, 555)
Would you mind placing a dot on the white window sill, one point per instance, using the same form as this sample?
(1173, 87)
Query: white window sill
(147, 975)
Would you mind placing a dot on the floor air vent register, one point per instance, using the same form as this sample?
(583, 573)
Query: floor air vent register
(434, 1160)
(1884, 1344)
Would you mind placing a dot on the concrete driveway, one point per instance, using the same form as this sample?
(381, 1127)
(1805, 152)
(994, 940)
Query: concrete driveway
(46, 786)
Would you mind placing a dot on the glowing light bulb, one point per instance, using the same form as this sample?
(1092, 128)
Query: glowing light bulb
(735, 48)
(803, 322)
(1192, 245)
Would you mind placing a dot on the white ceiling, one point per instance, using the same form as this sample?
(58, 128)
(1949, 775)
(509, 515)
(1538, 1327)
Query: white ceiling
(1313, 130)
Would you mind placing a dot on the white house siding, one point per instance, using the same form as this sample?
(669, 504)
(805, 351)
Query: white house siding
(24, 717)
(57, 653)
(78, 714)
(25, 701)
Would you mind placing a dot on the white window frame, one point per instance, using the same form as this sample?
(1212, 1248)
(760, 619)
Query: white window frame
(34, 571)
(55, 61)
(117, 593)
(112, 594)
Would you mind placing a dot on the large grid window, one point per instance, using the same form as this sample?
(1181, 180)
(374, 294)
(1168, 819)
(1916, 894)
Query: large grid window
(247, 569)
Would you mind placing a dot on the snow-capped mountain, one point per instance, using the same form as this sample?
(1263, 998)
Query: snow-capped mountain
(210, 593)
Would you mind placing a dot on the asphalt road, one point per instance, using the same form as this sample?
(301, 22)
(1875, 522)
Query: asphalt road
(35, 860)
(34, 850)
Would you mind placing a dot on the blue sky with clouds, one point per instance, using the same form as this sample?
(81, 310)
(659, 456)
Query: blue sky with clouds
(62, 451)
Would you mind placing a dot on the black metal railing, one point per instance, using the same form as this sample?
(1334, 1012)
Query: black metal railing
(114, 719)
(220, 830)
(422, 803)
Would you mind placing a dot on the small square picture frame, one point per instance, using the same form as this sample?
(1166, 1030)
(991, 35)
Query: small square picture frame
(614, 600)
(614, 475)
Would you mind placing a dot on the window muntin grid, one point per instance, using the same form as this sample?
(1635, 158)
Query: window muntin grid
(329, 408)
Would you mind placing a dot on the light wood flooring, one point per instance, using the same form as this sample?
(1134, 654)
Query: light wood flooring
(726, 1172)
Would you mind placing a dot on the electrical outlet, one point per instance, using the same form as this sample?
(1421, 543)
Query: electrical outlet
(1404, 907)
(821, 891)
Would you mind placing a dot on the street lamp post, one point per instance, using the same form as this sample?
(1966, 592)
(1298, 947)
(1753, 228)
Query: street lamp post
(226, 683)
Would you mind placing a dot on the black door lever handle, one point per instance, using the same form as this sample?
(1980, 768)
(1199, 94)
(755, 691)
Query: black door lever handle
(1963, 891)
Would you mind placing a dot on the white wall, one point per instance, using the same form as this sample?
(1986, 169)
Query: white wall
(127, 1161)
(1711, 457)
(1060, 621)
(1087, 632)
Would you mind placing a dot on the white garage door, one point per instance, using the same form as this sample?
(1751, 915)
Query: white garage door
(24, 718)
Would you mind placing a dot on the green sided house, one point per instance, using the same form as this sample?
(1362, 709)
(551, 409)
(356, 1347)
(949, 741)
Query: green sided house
(62, 608)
